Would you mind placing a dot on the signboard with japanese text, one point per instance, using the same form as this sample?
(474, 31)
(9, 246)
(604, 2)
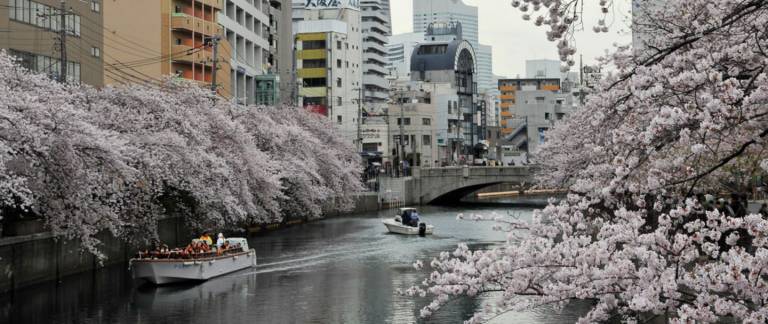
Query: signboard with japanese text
(332, 4)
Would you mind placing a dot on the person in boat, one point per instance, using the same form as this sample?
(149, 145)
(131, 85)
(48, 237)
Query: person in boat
(405, 219)
(220, 241)
(206, 238)
(414, 219)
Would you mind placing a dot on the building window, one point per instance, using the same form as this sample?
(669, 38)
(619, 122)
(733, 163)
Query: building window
(338, 119)
(347, 64)
(347, 45)
(312, 64)
(338, 101)
(338, 82)
(95, 6)
(546, 116)
(426, 121)
(316, 44)
(95, 52)
(338, 44)
(426, 140)
(338, 63)
(42, 16)
(407, 121)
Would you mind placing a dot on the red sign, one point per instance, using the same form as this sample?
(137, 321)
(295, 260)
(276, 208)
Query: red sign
(318, 109)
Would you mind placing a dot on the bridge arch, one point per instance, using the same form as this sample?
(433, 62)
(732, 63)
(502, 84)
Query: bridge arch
(449, 185)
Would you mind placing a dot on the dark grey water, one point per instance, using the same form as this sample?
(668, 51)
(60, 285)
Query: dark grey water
(343, 270)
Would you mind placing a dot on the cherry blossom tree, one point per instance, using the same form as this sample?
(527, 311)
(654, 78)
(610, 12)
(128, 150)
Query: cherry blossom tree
(682, 117)
(119, 159)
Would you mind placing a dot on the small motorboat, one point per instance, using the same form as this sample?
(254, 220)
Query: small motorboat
(175, 265)
(395, 224)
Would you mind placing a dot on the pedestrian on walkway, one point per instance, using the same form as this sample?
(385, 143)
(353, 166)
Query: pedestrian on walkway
(764, 210)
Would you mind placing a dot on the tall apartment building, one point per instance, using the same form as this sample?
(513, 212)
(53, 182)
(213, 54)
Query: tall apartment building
(169, 37)
(399, 51)
(376, 30)
(281, 51)
(428, 11)
(530, 107)
(32, 30)
(246, 26)
(329, 62)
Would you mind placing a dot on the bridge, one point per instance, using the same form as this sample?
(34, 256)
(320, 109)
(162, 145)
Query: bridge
(450, 184)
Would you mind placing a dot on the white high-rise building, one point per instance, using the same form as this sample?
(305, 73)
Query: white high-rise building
(399, 51)
(246, 25)
(428, 11)
(329, 61)
(376, 30)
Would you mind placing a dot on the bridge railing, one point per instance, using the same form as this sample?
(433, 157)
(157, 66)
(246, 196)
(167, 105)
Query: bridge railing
(475, 171)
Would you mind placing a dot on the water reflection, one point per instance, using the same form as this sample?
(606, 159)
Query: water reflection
(343, 270)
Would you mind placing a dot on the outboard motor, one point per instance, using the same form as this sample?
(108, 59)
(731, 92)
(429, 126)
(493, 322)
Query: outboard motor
(422, 229)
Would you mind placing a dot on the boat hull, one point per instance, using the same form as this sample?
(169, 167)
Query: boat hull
(394, 226)
(165, 271)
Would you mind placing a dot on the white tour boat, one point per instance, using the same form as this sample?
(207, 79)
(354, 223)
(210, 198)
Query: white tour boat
(395, 225)
(163, 270)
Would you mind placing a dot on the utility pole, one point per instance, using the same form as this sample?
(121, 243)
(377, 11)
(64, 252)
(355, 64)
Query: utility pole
(458, 132)
(402, 123)
(63, 41)
(472, 132)
(215, 44)
(359, 119)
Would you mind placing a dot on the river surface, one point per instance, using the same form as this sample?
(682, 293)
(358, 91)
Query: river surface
(339, 270)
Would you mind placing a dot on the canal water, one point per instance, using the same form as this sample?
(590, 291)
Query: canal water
(340, 270)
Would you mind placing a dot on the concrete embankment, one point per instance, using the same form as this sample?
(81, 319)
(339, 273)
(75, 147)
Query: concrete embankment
(28, 259)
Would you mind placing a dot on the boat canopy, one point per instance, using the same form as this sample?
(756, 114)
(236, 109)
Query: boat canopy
(406, 209)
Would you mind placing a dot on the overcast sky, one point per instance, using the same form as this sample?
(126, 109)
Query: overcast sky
(515, 40)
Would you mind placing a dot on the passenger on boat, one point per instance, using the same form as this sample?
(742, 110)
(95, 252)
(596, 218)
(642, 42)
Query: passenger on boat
(415, 219)
(220, 241)
(405, 219)
(207, 239)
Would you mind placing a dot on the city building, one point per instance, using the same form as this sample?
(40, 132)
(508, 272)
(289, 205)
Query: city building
(550, 69)
(247, 29)
(529, 108)
(32, 33)
(399, 51)
(449, 70)
(412, 116)
(429, 11)
(181, 38)
(376, 30)
(281, 58)
(328, 42)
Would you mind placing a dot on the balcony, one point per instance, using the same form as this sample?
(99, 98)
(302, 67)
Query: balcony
(315, 54)
(182, 21)
(377, 81)
(381, 95)
(200, 56)
(313, 92)
(218, 4)
(312, 73)
(376, 37)
(507, 96)
(506, 114)
(507, 88)
(382, 51)
(367, 67)
(505, 104)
